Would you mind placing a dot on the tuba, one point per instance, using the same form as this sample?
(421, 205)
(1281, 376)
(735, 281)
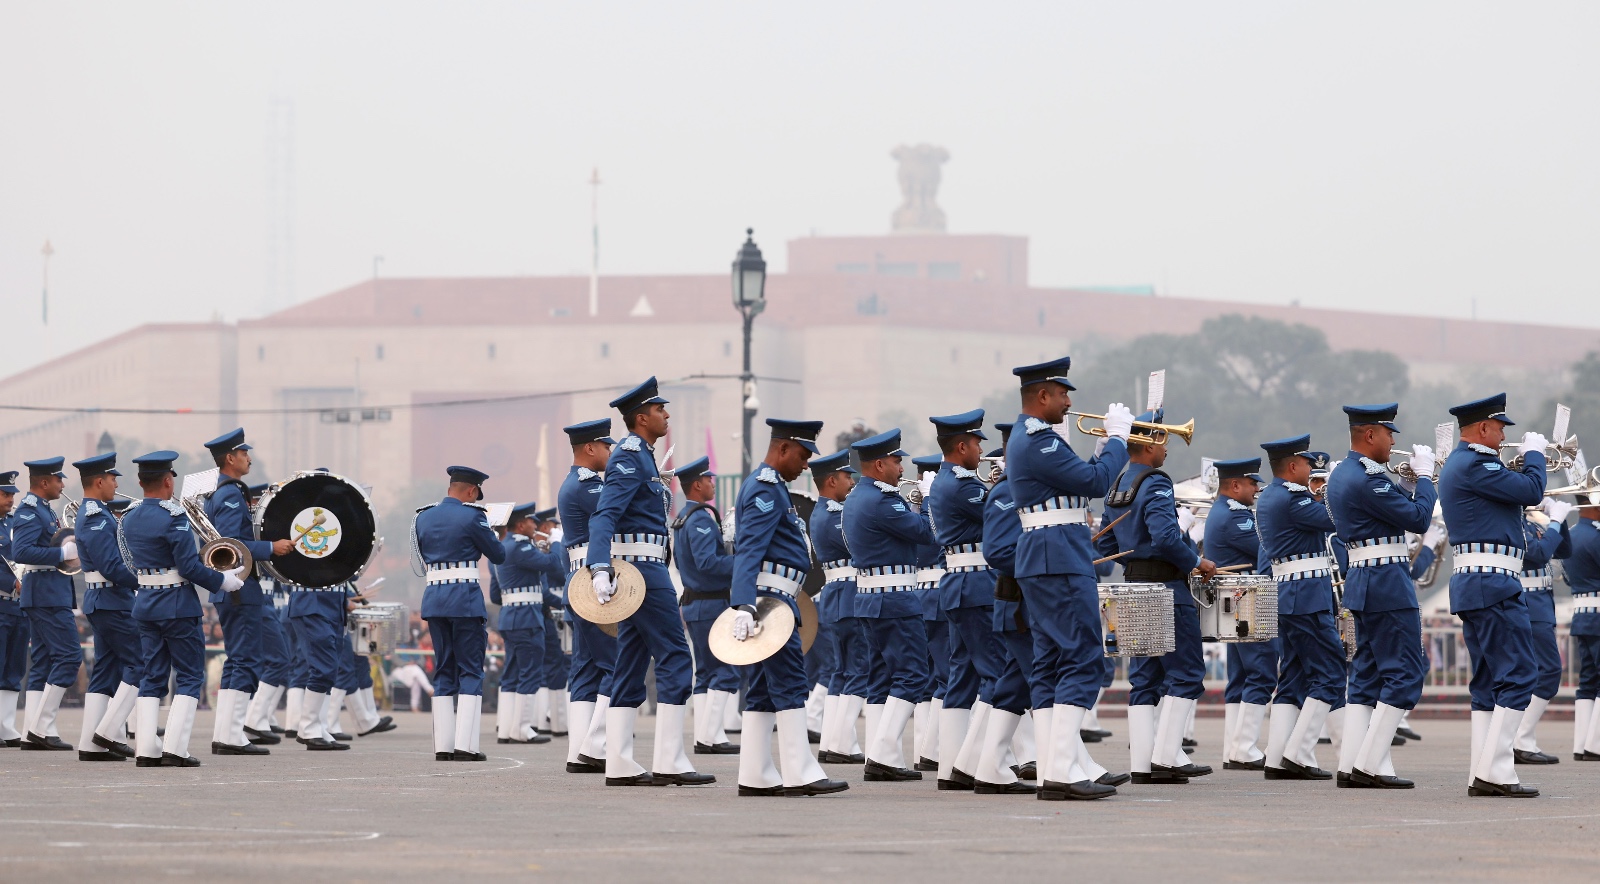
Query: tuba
(69, 522)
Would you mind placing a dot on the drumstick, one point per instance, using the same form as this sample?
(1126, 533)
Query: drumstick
(1232, 568)
(321, 517)
(1102, 531)
(1109, 558)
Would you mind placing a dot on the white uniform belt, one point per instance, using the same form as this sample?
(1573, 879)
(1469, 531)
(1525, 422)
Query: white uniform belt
(452, 575)
(930, 575)
(885, 582)
(576, 555)
(1585, 603)
(1477, 562)
(1537, 582)
(280, 601)
(973, 560)
(33, 569)
(93, 579)
(1361, 555)
(150, 578)
(1292, 569)
(521, 597)
(294, 587)
(844, 572)
(641, 549)
(777, 583)
(1045, 518)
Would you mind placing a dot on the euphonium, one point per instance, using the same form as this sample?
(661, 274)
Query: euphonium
(1185, 431)
(217, 552)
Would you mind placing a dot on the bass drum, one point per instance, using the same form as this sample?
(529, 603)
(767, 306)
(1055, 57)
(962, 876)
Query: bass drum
(331, 522)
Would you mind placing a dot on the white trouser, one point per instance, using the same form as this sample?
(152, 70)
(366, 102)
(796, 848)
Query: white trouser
(669, 757)
(1358, 723)
(444, 724)
(800, 767)
(756, 770)
(180, 723)
(998, 731)
(469, 723)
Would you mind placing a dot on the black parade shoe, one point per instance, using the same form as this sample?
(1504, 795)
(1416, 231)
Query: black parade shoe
(715, 749)
(1083, 790)
(1534, 757)
(687, 778)
(883, 773)
(1482, 788)
(959, 781)
(979, 787)
(820, 787)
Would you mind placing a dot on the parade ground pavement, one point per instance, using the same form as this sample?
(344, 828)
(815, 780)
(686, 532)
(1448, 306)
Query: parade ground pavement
(385, 810)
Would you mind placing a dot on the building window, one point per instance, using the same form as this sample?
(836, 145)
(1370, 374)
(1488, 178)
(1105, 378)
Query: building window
(944, 270)
(605, 350)
(491, 351)
(897, 268)
(261, 353)
(379, 352)
(852, 268)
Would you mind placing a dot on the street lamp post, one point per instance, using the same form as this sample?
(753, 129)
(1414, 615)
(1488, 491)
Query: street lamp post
(749, 295)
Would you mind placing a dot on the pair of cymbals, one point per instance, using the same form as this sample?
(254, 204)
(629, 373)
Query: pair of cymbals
(628, 595)
(777, 625)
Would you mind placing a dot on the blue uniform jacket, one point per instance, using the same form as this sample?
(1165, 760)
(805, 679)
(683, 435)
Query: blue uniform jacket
(98, 549)
(771, 535)
(157, 536)
(229, 513)
(1151, 528)
(1231, 537)
(523, 570)
(31, 528)
(1001, 528)
(838, 598)
(10, 598)
(577, 500)
(451, 531)
(930, 556)
(1045, 472)
(554, 578)
(1367, 505)
(1483, 500)
(704, 564)
(1583, 574)
(956, 501)
(882, 530)
(1292, 523)
(1544, 544)
(635, 501)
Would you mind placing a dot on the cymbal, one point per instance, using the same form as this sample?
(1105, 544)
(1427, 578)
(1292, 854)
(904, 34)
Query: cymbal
(808, 621)
(777, 624)
(629, 596)
(608, 628)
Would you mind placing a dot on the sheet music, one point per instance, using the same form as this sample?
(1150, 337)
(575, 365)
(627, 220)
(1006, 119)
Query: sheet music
(1579, 469)
(1444, 439)
(200, 483)
(1563, 418)
(1158, 390)
(499, 514)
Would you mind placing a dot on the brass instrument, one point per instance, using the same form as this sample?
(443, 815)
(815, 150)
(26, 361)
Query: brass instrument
(911, 491)
(991, 469)
(217, 552)
(1589, 485)
(1405, 471)
(1558, 455)
(69, 521)
(1432, 572)
(1185, 431)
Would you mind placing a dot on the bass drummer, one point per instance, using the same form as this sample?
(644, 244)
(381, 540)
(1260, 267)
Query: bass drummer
(1231, 540)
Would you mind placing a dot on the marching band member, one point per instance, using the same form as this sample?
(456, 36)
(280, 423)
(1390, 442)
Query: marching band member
(358, 692)
(161, 551)
(836, 606)
(518, 592)
(275, 656)
(947, 657)
(47, 599)
(706, 569)
(1372, 515)
(109, 589)
(1583, 575)
(770, 559)
(1052, 488)
(13, 621)
(1311, 681)
(1231, 540)
(1483, 500)
(451, 536)
(967, 597)
(632, 518)
(1544, 544)
(317, 619)
(557, 662)
(1162, 690)
(883, 533)
(240, 613)
(594, 653)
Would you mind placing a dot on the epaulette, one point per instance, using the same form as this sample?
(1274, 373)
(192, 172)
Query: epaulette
(422, 509)
(885, 487)
(172, 506)
(29, 500)
(632, 443)
(1294, 486)
(768, 474)
(585, 474)
(479, 507)
(1033, 425)
(1373, 467)
(835, 506)
(91, 507)
(1483, 449)
(962, 472)
(1236, 505)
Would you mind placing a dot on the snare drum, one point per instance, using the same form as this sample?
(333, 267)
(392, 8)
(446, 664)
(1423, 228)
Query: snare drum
(1137, 619)
(378, 627)
(1236, 608)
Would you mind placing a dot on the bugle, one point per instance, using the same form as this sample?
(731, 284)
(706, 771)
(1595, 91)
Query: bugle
(1184, 431)
(1558, 455)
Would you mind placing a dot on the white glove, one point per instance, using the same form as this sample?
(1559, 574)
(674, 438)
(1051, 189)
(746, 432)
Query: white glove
(1434, 536)
(1185, 519)
(69, 550)
(1119, 421)
(745, 626)
(1423, 460)
(231, 581)
(1532, 441)
(603, 588)
(1100, 445)
(1557, 510)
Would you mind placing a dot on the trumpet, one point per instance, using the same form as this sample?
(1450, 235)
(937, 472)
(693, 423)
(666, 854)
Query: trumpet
(911, 491)
(1185, 431)
(991, 469)
(1589, 485)
(1558, 455)
(1405, 471)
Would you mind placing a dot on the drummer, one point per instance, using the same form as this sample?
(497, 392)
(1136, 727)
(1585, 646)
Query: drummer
(1162, 691)
(770, 559)
(317, 618)
(522, 625)
(1231, 540)
(276, 651)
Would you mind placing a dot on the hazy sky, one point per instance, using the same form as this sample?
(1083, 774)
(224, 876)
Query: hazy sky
(1394, 156)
